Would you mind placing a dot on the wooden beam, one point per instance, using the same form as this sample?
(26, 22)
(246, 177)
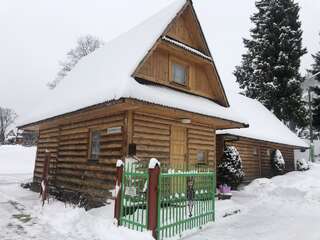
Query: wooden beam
(215, 122)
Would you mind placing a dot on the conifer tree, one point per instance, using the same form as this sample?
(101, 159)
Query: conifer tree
(230, 170)
(315, 68)
(269, 71)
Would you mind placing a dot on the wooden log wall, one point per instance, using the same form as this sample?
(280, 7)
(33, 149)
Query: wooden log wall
(151, 134)
(257, 165)
(69, 144)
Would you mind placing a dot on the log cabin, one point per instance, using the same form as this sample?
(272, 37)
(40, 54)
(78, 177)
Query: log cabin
(257, 143)
(154, 91)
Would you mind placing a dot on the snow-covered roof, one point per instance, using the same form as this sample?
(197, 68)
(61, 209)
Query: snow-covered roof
(263, 124)
(105, 75)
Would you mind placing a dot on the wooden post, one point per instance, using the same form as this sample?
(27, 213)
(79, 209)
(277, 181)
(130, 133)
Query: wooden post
(45, 178)
(117, 202)
(154, 172)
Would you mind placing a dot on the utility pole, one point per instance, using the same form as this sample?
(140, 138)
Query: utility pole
(311, 151)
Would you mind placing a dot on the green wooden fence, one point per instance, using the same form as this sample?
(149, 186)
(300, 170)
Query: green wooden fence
(134, 207)
(185, 198)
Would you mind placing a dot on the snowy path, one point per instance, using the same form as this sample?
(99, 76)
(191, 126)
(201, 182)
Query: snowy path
(22, 217)
(18, 219)
(283, 208)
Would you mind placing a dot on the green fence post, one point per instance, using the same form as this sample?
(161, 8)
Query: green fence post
(154, 172)
(214, 195)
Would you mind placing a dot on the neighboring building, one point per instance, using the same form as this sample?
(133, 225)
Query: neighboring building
(27, 138)
(11, 137)
(151, 92)
(256, 144)
(305, 154)
(22, 137)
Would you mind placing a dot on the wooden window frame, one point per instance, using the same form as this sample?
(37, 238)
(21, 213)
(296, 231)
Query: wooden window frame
(269, 151)
(91, 131)
(206, 157)
(255, 151)
(174, 60)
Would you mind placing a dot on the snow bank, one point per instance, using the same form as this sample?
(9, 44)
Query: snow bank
(16, 159)
(76, 223)
(300, 185)
(281, 208)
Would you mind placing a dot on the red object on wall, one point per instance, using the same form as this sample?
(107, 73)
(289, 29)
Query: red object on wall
(153, 199)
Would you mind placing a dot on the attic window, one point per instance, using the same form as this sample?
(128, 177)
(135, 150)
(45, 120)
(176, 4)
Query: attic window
(179, 71)
(179, 74)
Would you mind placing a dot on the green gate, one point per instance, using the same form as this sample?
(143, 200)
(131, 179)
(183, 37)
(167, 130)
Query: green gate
(134, 207)
(178, 212)
(185, 199)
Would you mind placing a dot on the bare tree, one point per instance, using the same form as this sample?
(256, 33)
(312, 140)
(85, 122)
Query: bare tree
(85, 45)
(7, 117)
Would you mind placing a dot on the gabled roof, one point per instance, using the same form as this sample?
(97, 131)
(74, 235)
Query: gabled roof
(263, 124)
(105, 75)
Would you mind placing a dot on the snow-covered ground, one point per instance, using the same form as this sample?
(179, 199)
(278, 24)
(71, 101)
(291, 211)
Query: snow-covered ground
(285, 207)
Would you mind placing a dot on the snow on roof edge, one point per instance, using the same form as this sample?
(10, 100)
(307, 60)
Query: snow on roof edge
(263, 124)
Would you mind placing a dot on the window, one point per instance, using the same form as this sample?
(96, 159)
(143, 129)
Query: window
(268, 152)
(202, 156)
(179, 74)
(94, 145)
(255, 151)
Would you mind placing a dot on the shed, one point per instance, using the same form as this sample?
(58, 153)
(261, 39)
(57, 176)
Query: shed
(256, 144)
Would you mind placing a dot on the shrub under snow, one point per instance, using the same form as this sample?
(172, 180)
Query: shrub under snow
(278, 163)
(230, 170)
(302, 165)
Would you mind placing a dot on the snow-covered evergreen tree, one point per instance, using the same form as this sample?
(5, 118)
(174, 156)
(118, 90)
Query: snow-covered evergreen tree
(315, 68)
(230, 170)
(85, 45)
(278, 162)
(269, 70)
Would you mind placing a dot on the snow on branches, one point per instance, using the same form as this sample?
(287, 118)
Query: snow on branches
(278, 163)
(230, 170)
(85, 45)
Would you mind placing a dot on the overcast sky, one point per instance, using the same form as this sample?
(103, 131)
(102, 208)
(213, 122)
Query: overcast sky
(36, 34)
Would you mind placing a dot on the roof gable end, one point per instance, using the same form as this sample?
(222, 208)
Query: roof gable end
(184, 32)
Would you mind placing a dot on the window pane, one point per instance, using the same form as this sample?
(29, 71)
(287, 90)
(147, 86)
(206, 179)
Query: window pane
(255, 151)
(201, 156)
(95, 145)
(179, 74)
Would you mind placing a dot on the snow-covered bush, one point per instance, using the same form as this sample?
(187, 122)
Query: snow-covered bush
(278, 163)
(302, 165)
(230, 170)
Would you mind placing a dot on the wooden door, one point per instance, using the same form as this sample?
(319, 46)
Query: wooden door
(178, 146)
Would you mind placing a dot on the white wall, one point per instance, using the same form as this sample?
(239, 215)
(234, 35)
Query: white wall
(299, 155)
